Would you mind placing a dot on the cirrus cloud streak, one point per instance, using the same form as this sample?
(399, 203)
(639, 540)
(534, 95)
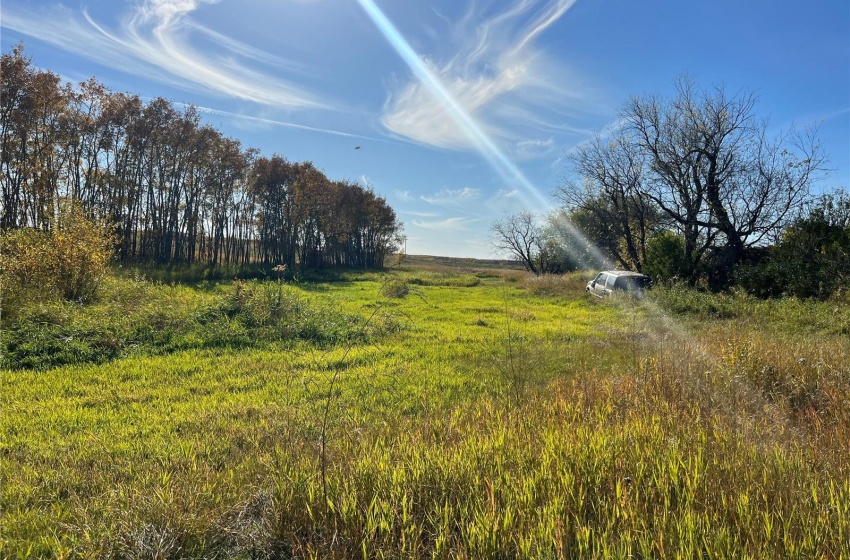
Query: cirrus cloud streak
(159, 39)
(498, 72)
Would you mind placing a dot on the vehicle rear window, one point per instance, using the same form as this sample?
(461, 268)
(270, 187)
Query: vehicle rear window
(633, 282)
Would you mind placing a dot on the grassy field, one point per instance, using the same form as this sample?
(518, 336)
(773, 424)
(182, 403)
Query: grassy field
(428, 411)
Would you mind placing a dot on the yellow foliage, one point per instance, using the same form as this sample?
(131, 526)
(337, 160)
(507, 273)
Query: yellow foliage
(69, 261)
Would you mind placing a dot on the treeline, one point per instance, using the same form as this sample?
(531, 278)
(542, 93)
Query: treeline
(172, 189)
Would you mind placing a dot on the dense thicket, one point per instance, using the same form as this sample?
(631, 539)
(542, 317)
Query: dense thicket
(812, 259)
(175, 190)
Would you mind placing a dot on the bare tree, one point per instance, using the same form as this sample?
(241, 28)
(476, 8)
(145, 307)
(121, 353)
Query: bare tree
(519, 235)
(705, 161)
(611, 195)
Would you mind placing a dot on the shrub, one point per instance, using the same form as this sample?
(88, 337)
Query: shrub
(82, 250)
(395, 289)
(23, 273)
(136, 317)
(811, 260)
(274, 311)
(69, 262)
(665, 257)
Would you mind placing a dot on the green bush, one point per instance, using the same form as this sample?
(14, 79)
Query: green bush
(665, 257)
(813, 258)
(32, 345)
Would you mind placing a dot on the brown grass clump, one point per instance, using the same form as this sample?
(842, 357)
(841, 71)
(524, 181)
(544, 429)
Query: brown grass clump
(395, 289)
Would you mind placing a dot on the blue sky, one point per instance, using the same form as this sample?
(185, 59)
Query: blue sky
(462, 109)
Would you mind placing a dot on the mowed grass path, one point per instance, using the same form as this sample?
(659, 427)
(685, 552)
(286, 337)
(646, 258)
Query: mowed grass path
(499, 417)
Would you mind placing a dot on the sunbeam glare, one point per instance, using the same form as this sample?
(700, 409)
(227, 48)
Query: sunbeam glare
(508, 171)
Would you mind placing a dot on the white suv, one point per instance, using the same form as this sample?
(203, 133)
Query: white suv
(608, 281)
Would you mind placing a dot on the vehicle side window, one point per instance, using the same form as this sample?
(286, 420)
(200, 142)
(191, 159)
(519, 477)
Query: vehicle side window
(611, 280)
(600, 278)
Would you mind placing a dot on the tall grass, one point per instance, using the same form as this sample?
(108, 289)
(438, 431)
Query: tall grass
(501, 421)
(790, 314)
(556, 284)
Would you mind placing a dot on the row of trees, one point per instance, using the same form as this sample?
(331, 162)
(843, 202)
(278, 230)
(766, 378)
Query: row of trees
(692, 187)
(174, 190)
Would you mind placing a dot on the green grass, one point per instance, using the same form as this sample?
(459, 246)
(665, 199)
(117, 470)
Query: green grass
(136, 317)
(790, 315)
(469, 415)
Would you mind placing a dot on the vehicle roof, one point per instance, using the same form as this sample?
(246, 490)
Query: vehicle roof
(622, 273)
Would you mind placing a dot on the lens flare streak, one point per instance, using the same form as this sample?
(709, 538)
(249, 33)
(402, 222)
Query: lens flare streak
(509, 172)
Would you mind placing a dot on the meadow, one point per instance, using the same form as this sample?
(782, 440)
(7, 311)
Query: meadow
(424, 412)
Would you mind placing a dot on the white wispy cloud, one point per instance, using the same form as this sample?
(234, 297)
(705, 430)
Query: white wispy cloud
(453, 197)
(274, 122)
(505, 194)
(420, 214)
(158, 39)
(834, 114)
(505, 200)
(530, 149)
(448, 224)
(608, 130)
(493, 69)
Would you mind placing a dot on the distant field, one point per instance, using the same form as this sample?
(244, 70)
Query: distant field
(428, 261)
(444, 408)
